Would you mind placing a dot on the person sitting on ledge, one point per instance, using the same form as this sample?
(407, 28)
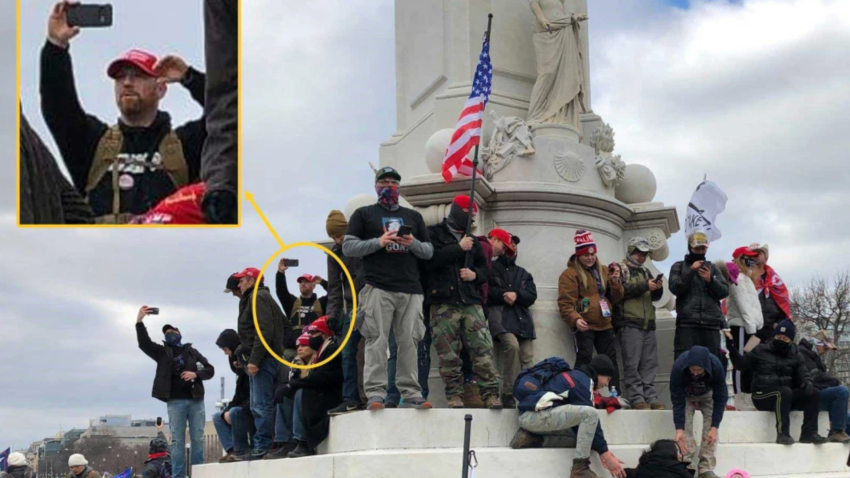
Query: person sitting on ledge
(664, 459)
(554, 400)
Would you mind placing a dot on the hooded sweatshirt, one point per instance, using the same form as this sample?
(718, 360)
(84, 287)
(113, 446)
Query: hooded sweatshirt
(683, 385)
(242, 396)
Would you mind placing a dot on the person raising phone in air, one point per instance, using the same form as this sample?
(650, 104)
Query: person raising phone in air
(699, 287)
(128, 168)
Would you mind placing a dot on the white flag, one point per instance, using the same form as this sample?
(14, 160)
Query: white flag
(707, 202)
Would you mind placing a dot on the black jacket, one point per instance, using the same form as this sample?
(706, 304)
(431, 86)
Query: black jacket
(288, 301)
(682, 383)
(158, 467)
(770, 368)
(339, 298)
(698, 302)
(77, 135)
(21, 471)
(163, 355)
(516, 319)
(772, 313)
(817, 370)
(444, 283)
(273, 324)
(46, 196)
(242, 396)
(322, 392)
(660, 467)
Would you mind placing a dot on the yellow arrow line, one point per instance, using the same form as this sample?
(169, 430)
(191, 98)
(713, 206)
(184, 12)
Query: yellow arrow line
(250, 198)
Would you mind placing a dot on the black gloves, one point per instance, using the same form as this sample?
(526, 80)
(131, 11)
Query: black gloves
(335, 325)
(809, 388)
(220, 207)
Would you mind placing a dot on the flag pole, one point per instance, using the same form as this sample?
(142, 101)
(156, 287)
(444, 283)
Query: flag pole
(475, 167)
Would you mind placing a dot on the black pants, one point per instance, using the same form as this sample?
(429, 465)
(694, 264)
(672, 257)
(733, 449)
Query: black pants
(604, 343)
(220, 158)
(782, 400)
(742, 380)
(687, 337)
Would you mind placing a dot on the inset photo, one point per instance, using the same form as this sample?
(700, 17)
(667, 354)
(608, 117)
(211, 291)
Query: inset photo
(128, 113)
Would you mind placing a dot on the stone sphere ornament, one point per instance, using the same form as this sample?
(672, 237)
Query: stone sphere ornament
(435, 149)
(638, 186)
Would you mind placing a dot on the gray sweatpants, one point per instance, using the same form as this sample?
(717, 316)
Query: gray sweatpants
(402, 313)
(559, 420)
(640, 363)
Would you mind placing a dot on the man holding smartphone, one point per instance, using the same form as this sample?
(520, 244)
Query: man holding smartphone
(179, 382)
(699, 287)
(392, 297)
(128, 168)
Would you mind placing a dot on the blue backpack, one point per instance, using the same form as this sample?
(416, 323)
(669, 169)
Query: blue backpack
(531, 381)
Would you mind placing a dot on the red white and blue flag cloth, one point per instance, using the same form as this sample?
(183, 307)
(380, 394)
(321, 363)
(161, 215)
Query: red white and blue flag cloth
(468, 130)
(4, 459)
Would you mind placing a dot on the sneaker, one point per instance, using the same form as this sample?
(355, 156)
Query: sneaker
(257, 455)
(346, 406)
(456, 402)
(785, 440)
(641, 406)
(581, 469)
(301, 450)
(417, 403)
(657, 406)
(508, 401)
(225, 457)
(237, 457)
(493, 403)
(839, 437)
(814, 439)
(375, 403)
(281, 451)
(524, 439)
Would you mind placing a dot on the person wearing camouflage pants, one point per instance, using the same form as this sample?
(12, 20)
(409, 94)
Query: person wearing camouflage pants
(456, 272)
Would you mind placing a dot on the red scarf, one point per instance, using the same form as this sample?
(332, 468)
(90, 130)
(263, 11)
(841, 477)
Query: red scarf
(154, 456)
(776, 287)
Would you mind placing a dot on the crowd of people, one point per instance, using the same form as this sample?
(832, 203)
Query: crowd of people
(467, 295)
(142, 169)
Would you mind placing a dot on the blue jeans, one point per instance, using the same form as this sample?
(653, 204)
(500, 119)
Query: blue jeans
(349, 369)
(283, 421)
(423, 353)
(834, 401)
(234, 435)
(297, 425)
(262, 403)
(180, 412)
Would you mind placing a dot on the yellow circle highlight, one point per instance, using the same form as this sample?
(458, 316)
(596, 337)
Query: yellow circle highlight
(254, 305)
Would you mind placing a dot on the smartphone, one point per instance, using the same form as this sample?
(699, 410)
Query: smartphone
(159, 421)
(290, 262)
(659, 278)
(89, 15)
(153, 310)
(404, 231)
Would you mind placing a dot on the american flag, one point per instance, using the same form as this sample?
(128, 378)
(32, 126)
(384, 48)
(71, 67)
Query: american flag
(468, 130)
(4, 457)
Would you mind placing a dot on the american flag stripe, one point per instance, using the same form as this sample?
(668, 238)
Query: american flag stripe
(467, 133)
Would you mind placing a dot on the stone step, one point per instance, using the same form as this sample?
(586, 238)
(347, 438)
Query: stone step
(443, 428)
(760, 460)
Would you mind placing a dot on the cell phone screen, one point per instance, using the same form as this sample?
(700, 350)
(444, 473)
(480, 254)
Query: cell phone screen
(158, 421)
(659, 278)
(404, 231)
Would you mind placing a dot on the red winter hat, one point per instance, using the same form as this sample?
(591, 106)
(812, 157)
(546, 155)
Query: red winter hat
(321, 325)
(139, 58)
(303, 339)
(463, 201)
(584, 243)
(305, 277)
(182, 207)
(249, 272)
(506, 238)
(744, 251)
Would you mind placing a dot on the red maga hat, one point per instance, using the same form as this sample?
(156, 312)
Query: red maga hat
(744, 251)
(248, 272)
(305, 277)
(139, 58)
(463, 201)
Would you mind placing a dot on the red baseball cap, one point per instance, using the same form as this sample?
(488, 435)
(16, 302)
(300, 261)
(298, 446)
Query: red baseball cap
(463, 201)
(506, 238)
(139, 58)
(249, 272)
(321, 325)
(744, 251)
(305, 277)
(182, 207)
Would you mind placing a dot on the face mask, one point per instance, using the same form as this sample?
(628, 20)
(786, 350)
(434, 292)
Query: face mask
(316, 342)
(780, 346)
(694, 257)
(698, 376)
(173, 339)
(387, 195)
(458, 218)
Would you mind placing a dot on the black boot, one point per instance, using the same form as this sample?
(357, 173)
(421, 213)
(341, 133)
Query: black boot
(301, 450)
(784, 439)
(281, 451)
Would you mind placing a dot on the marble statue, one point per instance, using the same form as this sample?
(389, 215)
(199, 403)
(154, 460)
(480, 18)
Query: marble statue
(611, 168)
(558, 94)
(510, 138)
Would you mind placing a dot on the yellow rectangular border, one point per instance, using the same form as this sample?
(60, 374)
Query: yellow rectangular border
(239, 200)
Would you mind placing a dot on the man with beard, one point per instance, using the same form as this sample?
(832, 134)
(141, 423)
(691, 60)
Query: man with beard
(301, 310)
(125, 169)
(180, 372)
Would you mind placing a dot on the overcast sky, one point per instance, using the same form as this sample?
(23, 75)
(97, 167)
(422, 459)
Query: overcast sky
(752, 93)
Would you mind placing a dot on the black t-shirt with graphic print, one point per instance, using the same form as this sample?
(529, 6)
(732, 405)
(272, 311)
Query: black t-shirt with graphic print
(393, 268)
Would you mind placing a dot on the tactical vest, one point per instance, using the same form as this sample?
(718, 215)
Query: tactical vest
(173, 162)
(296, 321)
